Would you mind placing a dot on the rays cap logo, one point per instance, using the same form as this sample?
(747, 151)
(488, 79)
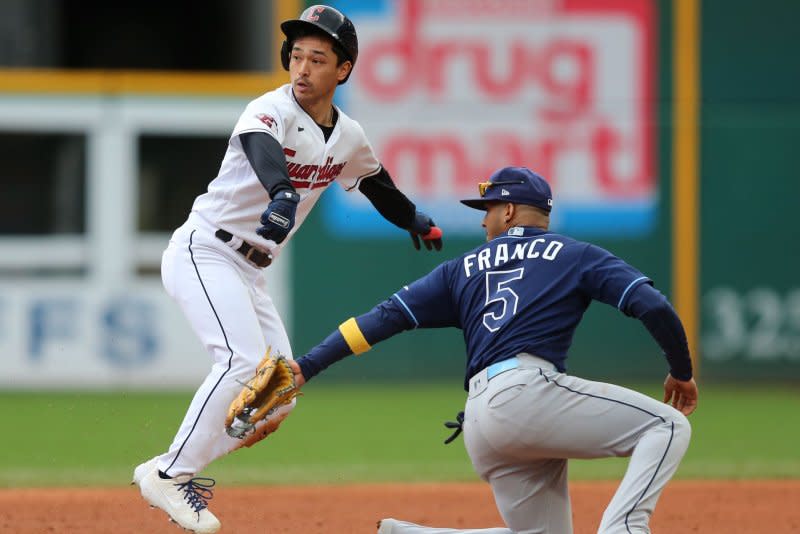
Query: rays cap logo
(520, 185)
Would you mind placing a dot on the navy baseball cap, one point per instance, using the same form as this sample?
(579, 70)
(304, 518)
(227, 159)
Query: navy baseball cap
(518, 185)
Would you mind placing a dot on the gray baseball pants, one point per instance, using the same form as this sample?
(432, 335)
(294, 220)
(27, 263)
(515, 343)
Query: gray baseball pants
(524, 420)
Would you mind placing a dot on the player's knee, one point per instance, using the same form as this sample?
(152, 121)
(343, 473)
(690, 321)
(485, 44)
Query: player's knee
(240, 370)
(241, 367)
(681, 430)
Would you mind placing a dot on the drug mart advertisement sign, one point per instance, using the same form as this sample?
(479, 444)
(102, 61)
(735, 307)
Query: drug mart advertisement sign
(450, 90)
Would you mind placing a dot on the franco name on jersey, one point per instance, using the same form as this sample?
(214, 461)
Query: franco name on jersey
(497, 254)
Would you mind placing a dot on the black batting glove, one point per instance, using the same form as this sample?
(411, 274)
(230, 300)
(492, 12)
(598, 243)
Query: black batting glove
(423, 226)
(278, 219)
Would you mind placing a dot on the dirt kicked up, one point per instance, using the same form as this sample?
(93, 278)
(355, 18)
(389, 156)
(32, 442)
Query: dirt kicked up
(729, 507)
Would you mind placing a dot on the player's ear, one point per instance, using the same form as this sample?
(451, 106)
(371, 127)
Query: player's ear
(509, 212)
(343, 70)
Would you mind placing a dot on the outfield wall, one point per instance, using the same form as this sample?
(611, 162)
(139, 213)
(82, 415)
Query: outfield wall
(581, 91)
(748, 296)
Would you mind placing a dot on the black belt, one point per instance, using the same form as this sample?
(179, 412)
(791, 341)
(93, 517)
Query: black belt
(261, 259)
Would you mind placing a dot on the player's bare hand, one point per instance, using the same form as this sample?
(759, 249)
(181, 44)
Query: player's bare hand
(681, 394)
(299, 379)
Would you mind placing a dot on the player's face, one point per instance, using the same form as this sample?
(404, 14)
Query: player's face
(313, 70)
(496, 219)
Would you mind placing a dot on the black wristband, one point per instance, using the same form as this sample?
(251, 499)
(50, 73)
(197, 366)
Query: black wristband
(285, 193)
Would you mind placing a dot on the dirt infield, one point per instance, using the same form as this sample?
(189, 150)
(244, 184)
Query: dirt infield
(685, 507)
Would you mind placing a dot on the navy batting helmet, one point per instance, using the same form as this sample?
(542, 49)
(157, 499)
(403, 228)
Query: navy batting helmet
(331, 22)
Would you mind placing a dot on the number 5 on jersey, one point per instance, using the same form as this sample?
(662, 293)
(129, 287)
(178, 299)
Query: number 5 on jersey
(501, 300)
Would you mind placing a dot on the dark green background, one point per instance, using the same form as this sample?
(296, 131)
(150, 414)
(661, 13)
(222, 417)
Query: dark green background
(749, 189)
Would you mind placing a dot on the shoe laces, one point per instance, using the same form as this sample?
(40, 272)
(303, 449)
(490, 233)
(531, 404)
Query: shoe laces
(197, 492)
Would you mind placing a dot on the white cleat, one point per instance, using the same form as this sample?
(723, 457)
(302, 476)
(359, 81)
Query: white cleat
(142, 470)
(185, 499)
(385, 526)
(395, 526)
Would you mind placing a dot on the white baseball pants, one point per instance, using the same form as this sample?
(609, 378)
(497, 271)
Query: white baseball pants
(224, 298)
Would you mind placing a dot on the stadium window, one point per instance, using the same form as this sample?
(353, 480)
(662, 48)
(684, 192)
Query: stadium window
(172, 36)
(43, 183)
(233, 35)
(173, 170)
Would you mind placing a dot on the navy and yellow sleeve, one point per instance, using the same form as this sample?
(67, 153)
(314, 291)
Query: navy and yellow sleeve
(355, 336)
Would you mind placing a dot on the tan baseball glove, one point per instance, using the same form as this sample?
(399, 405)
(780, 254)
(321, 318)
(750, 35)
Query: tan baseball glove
(272, 386)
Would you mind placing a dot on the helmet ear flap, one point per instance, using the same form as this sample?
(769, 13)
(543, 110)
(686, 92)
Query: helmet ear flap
(285, 50)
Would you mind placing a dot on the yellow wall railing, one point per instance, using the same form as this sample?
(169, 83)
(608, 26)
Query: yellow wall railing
(685, 165)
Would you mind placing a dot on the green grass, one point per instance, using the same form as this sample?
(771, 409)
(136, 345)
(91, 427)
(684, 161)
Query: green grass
(350, 433)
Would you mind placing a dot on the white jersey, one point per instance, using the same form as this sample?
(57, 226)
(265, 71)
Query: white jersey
(236, 198)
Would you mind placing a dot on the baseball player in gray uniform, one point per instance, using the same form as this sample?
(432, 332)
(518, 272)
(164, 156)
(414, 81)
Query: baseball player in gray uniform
(288, 146)
(518, 299)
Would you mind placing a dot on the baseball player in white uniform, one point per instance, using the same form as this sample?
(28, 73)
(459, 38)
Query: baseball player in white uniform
(288, 146)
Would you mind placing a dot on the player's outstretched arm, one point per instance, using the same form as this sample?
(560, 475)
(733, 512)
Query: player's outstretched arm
(396, 208)
(681, 394)
(354, 336)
